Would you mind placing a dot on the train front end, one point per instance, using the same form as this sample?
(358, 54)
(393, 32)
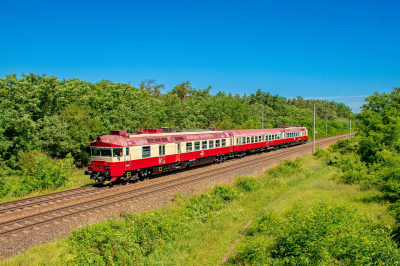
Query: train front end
(107, 159)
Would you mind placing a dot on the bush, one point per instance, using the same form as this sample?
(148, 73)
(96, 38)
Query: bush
(247, 183)
(42, 172)
(288, 167)
(4, 188)
(326, 234)
(354, 169)
(225, 193)
(320, 153)
(129, 241)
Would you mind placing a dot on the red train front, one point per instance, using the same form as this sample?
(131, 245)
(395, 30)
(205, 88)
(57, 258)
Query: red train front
(132, 156)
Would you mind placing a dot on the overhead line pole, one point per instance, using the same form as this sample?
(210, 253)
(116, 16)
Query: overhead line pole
(349, 127)
(326, 124)
(262, 117)
(313, 140)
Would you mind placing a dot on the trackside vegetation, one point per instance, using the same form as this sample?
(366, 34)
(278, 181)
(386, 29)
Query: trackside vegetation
(302, 212)
(59, 117)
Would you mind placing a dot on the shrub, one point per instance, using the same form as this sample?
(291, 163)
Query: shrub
(319, 153)
(129, 241)
(4, 188)
(41, 172)
(247, 183)
(225, 193)
(288, 167)
(354, 169)
(325, 234)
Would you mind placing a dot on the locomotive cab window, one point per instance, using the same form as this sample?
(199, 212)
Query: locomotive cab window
(223, 143)
(105, 152)
(117, 152)
(146, 152)
(188, 146)
(161, 150)
(204, 145)
(197, 146)
(217, 143)
(95, 152)
(211, 144)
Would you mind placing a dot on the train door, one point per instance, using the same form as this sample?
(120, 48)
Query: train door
(178, 152)
(127, 159)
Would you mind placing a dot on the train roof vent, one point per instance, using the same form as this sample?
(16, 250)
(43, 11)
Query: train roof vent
(118, 132)
(164, 139)
(157, 140)
(179, 138)
(150, 140)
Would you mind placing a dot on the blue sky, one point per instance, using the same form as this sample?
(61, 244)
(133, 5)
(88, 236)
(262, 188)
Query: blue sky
(336, 50)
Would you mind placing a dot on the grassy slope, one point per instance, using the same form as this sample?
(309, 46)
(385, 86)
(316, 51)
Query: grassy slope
(207, 244)
(77, 179)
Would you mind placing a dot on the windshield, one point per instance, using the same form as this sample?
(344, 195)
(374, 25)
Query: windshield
(95, 152)
(105, 152)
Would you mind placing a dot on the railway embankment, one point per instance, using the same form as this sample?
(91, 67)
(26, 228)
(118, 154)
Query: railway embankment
(202, 228)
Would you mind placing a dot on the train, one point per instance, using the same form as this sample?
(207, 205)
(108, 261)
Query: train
(123, 156)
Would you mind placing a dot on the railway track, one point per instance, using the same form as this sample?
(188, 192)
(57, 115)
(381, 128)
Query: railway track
(9, 208)
(25, 224)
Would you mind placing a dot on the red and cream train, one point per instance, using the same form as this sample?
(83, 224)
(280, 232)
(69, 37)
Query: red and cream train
(133, 156)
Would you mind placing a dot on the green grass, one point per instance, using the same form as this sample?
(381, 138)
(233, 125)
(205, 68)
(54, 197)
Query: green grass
(206, 243)
(77, 179)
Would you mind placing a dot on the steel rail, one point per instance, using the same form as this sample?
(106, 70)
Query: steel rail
(126, 195)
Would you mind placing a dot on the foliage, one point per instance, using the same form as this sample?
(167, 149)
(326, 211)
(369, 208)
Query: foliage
(288, 167)
(4, 188)
(42, 172)
(247, 183)
(320, 153)
(325, 235)
(128, 241)
(58, 117)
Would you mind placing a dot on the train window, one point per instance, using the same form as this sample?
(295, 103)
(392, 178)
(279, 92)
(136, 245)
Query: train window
(223, 143)
(239, 141)
(244, 140)
(105, 152)
(204, 145)
(252, 139)
(217, 143)
(270, 137)
(127, 152)
(95, 152)
(117, 152)
(197, 146)
(189, 146)
(145, 151)
(255, 139)
(161, 150)
(248, 140)
(211, 144)
(259, 138)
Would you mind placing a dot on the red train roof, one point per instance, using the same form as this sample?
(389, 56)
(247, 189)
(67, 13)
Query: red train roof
(124, 140)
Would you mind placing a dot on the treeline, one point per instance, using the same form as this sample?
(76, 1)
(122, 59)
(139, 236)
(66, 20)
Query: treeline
(60, 117)
(372, 158)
